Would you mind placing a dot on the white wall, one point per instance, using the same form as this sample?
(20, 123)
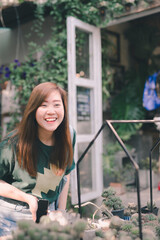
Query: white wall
(14, 45)
(14, 42)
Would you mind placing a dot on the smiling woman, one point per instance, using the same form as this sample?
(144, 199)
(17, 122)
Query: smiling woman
(49, 116)
(36, 158)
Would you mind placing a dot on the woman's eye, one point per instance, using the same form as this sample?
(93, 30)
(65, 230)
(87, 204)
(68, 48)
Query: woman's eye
(57, 105)
(43, 105)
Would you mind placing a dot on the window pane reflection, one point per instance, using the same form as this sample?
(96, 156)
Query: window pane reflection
(84, 110)
(82, 54)
(85, 168)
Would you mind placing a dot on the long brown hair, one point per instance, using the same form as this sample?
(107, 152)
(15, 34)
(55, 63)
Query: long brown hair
(27, 132)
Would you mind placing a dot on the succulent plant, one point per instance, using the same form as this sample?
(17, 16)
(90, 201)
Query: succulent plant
(50, 230)
(112, 201)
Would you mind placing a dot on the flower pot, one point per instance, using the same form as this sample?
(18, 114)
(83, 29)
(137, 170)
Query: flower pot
(127, 218)
(119, 213)
(146, 210)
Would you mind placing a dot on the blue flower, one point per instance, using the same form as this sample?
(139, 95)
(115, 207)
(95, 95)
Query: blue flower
(18, 63)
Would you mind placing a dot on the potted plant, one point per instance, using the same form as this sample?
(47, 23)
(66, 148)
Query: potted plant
(113, 202)
(128, 4)
(147, 209)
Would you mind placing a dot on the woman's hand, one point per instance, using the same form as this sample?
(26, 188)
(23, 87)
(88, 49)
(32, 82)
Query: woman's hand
(33, 205)
(9, 191)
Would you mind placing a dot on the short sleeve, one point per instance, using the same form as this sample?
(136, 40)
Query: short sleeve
(73, 136)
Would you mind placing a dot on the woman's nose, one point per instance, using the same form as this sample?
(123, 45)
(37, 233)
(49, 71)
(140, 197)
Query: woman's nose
(50, 110)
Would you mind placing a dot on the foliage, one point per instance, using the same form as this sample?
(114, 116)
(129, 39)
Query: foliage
(99, 233)
(108, 193)
(114, 203)
(113, 173)
(110, 200)
(149, 205)
(127, 105)
(145, 164)
(142, 42)
(158, 231)
(51, 63)
(127, 227)
(109, 156)
(151, 217)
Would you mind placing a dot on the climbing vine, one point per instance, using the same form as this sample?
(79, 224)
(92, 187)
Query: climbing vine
(51, 63)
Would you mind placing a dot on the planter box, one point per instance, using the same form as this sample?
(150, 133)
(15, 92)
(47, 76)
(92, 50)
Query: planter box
(118, 187)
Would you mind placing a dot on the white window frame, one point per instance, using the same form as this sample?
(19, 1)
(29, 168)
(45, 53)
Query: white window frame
(95, 84)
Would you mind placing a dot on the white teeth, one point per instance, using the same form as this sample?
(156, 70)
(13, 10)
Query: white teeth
(50, 120)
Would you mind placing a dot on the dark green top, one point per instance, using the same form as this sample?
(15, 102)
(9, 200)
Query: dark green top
(45, 185)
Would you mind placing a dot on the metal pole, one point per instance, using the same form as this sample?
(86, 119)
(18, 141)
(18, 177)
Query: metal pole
(150, 167)
(78, 162)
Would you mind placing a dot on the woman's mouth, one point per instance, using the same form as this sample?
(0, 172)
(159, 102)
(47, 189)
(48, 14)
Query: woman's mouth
(50, 119)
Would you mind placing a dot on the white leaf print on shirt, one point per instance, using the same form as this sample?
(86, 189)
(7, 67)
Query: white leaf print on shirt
(45, 182)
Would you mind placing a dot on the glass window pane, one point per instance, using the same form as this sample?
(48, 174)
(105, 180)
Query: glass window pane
(84, 115)
(82, 54)
(85, 168)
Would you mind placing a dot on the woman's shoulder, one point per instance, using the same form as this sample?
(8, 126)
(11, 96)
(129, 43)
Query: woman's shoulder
(8, 140)
(73, 133)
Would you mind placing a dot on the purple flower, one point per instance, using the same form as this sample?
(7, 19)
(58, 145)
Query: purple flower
(7, 72)
(24, 75)
(7, 75)
(7, 69)
(17, 63)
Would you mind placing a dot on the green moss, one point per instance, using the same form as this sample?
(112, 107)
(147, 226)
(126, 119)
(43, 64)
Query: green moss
(25, 224)
(151, 217)
(127, 227)
(79, 226)
(99, 233)
(135, 231)
(158, 231)
(19, 235)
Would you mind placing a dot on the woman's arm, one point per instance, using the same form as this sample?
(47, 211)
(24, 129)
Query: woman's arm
(9, 191)
(63, 196)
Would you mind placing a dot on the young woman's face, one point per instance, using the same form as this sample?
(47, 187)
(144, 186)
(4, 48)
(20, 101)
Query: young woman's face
(50, 113)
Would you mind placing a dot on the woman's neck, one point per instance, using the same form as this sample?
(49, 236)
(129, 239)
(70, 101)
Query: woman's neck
(47, 139)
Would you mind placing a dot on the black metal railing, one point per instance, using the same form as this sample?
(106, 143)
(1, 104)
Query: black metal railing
(150, 167)
(109, 123)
